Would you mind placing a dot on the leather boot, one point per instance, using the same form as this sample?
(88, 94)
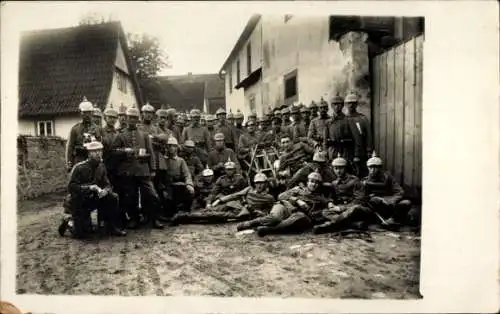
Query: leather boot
(114, 231)
(63, 226)
(156, 224)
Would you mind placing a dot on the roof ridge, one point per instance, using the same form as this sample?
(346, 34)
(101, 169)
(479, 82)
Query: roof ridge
(74, 27)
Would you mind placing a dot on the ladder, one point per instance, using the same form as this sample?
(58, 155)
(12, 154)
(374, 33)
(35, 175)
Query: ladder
(262, 160)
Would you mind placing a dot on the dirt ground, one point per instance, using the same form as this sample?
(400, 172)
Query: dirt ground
(211, 260)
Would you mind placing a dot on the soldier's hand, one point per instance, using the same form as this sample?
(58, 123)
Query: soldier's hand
(376, 200)
(153, 174)
(217, 202)
(190, 189)
(102, 193)
(302, 204)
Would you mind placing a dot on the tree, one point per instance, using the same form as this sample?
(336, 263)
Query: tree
(148, 57)
(93, 18)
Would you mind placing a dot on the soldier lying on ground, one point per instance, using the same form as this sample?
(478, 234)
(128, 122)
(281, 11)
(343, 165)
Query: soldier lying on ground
(89, 190)
(247, 203)
(319, 162)
(292, 211)
(203, 186)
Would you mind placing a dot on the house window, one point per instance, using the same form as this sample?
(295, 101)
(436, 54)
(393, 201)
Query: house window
(288, 17)
(290, 83)
(238, 72)
(230, 73)
(45, 128)
(121, 80)
(249, 59)
(251, 103)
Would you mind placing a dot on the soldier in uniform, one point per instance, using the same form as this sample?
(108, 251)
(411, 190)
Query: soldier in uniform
(203, 120)
(246, 143)
(294, 156)
(82, 132)
(305, 112)
(239, 129)
(242, 205)
(320, 164)
(348, 200)
(97, 116)
(252, 116)
(137, 159)
(122, 118)
(338, 137)
(225, 128)
(292, 212)
(297, 128)
(178, 182)
(203, 187)
(285, 117)
(219, 155)
(228, 183)
(318, 124)
(199, 135)
(211, 128)
(180, 123)
(362, 134)
(277, 113)
(264, 136)
(148, 113)
(108, 135)
(161, 127)
(188, 154)
(171, 123)
(90, 189)
(384, 195)
(313, 107)
(276, 131)
(230, 119)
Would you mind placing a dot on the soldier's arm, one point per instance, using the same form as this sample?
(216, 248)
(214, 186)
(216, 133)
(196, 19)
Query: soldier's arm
(188, 179)
(397, 191)
(75, 185)
(236, 195)
(104, 179)
(289, 194)
(215, 191)
(358, 192)
(152, 155)
(184, 136)
(198, 166)
(70, 145)
(296, 178)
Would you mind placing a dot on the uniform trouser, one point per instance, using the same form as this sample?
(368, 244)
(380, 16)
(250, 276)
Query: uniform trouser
(149, 198)
(107, 208)
(159, 184)
(199, 202)
(398, 211)
(349, 215)
(179, 199)
(219, 214)
(281, 220)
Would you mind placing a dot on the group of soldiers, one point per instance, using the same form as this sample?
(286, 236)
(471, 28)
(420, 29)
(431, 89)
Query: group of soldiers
(162, 166)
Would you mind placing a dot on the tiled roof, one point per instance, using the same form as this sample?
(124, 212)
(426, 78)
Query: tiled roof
(58, 67)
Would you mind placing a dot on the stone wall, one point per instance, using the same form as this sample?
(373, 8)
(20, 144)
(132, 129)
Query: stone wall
(41, 166)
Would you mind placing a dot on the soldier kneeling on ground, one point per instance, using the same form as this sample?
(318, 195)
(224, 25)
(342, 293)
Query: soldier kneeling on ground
(242, 205)
(384, 196)
(292, 212)
(90, 189)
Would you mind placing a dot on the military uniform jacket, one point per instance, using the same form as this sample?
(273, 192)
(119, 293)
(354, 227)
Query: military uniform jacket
(178, 171)
(297, 130)
(199, 135)
(362, 134)
(134, 165)
(246, 144)
(301, 175)
(317, 128)
(82, 176)
(239, 131)
(347, 190)
(254, 200)
(153, 131)
(193, 162)
(77, 138)
(296, 156)
(229, 133)
(108, 136)
(217, 158)
(338, 130)
(384, 186)
(202, 188)
(226, 186)
(314, 200)
(176, 131)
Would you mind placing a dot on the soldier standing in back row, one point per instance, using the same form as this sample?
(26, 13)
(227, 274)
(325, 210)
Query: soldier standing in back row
(211, 120)
(161, 127)
(238, 128)
(338, 133)
(108, 135)
(252, 116)
(225, 128)
(219, 155)
(362, 134)
(297, 128)
(305, 112)
(171, 123)
(97, 116)
(81, 133)
(134, 150)
(122, 118)
(313, 107)
(318, 124)
(199, 135)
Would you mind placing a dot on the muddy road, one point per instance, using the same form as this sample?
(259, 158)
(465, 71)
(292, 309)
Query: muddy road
(211, 260)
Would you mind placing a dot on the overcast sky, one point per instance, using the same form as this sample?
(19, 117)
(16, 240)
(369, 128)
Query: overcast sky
(197, 36)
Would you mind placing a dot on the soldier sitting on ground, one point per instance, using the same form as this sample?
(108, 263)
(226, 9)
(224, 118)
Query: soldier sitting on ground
(348, 200)
(90, 189)
(187, 153)
(203, 186)
(291, 213)
(229, 183)
(384, 196)
(219, 155)
(242, 205)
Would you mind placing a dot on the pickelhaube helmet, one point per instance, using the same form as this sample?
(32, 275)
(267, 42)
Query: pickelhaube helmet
(195, 113)
(147, 108)
(352, 97)
(230, 115)
(304, 109)
(172, 141)
(132, 112)
(250, 122)
(97, 112)
(252, 114)
(238, 115)
(85, 105)
(207, 172)
(122, 110)
(374, 160)
(337, 99)
(110, 111)
(339, 161)
(260, 177)
(294, 109)
(94, 145)
(171, 112)
(323, 103)
(229, 164)
(315, 175)
(285, 110)
(263, 119)
(313, 105)
(162, 112)
(319, 156)
(189, 143)
(220, 111)
(210, 117)
(219, 137)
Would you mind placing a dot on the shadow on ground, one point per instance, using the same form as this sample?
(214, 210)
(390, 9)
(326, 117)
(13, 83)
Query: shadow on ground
(211, 260)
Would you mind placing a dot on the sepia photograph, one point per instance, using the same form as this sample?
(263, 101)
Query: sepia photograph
(292, 168)
(175, 151)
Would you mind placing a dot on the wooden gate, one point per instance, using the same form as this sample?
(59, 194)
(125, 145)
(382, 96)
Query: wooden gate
(397, 110)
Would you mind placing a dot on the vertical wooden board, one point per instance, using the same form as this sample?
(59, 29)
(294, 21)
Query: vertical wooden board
(417, 180)
(390, 112)
(375, 100)
(399, 69)
(383, 105)
(409, 121)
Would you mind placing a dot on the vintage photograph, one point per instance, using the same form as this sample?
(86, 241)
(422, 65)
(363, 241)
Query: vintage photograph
(266, 156)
